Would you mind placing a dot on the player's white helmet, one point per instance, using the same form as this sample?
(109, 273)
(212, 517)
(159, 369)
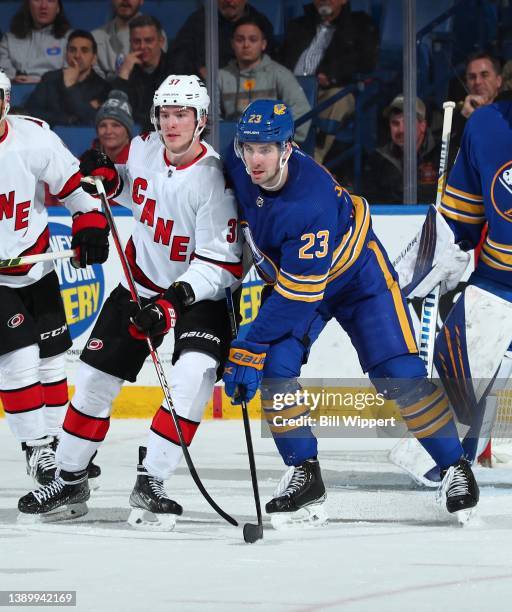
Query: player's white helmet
(185, 90)
(5, 93)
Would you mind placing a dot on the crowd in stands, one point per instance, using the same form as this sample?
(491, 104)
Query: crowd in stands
(106, 78)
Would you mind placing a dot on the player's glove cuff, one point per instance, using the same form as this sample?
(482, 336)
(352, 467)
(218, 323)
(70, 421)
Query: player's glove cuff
(248, 354)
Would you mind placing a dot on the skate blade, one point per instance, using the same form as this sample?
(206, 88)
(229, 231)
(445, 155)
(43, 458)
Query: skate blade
(464, 516)
(144, 520)
(64, 513)
(314, 515)
(94, 484)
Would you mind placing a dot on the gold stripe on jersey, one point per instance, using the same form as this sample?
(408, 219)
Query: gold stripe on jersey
(396, 294)
(463, 218)
(350, 249)
(300, 297)
(497, 255)
(461, 205)
(473, 197)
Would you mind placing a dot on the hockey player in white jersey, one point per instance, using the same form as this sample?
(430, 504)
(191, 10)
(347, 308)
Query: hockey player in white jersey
(183, 253)
(33, 331)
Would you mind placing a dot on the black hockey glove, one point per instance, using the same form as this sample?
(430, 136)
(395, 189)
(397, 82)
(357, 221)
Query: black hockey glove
(96, 163)
(90, 238)
(162, 313)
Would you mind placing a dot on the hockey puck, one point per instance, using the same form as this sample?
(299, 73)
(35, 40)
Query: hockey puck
(252, 533)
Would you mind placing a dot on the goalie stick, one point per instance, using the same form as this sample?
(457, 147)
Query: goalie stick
(154, 355)
(25, 260)
(251, 532)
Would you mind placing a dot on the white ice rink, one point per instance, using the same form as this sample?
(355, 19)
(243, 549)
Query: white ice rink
(386, 548)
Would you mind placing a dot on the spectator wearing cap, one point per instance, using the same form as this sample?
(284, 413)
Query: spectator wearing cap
(144, 68)
(36, 41)
(253, 75)
(71, 95)
(383, 170)
(113, 37)
(114, 125)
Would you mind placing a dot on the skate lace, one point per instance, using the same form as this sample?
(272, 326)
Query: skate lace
(43, 457)
(49, 490)
(157, 486)
(296, 481)
(454, 483)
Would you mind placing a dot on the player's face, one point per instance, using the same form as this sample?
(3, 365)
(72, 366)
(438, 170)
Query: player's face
(112, 134)
(177, 126)
(232, 10)
(43, 11)
(248, 44)
(397, 130)
(126, 9)
(482, 80)
(147, 43)
(262, 161)
(80, 53)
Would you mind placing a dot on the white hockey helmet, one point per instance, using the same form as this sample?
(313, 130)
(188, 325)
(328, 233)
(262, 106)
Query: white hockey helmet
(185, 90)
(5, 93)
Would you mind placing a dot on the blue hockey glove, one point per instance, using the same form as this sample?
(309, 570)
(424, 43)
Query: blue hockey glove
(244, 370)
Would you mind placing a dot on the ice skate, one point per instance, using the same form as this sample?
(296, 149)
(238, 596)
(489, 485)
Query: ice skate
(459, 490)
(63, 498)
(152, 510)
(93, 470)
(40, 456)
(299, 498)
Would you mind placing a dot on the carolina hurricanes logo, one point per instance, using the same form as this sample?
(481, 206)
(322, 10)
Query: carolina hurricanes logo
(16, 320)
(94, 344)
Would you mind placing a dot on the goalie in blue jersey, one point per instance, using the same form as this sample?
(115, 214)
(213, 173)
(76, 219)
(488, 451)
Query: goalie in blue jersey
(313, 245)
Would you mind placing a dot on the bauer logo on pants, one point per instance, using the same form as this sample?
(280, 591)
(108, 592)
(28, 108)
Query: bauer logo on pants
(81, 289)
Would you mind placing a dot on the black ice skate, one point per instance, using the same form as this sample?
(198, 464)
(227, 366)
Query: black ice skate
(152, 510)
(63, 498)
(40, 456)
(93, 470)
(299, 497)
(461, 490)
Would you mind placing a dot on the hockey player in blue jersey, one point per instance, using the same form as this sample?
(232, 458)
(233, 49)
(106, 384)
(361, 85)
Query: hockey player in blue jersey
(313, 245)
(478, 330)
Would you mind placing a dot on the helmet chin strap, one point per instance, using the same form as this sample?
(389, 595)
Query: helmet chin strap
(197, 132)
(283, 160)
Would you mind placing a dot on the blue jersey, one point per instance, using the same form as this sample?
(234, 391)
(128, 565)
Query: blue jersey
(479, 190)
(306, 241)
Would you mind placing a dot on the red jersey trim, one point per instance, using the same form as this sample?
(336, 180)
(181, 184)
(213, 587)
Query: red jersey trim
(196, 159)
(236, 269)
(138, 275)
(72, 184)
(40, 246)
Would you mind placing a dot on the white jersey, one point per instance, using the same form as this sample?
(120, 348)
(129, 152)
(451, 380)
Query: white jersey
(30, 156)
(186, 224)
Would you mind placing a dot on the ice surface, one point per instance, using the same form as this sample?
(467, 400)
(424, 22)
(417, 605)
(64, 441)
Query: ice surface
(387, 546)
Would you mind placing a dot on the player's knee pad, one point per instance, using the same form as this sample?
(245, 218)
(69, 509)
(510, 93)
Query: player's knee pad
(192, 380)
(53, 369)
(95, 391)
(395, 376)
(20, 368)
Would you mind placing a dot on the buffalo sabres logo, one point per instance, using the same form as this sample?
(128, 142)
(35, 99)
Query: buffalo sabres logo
(501, 191)
(279, 109)
(259, 201)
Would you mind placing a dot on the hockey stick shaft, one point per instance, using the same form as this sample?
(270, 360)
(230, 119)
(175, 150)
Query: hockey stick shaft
(32, 259)
(154, 355)
(430, 307)
(245, 416)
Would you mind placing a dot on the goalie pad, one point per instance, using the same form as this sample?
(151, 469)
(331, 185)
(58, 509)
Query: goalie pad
(469, 350)
(431, 258)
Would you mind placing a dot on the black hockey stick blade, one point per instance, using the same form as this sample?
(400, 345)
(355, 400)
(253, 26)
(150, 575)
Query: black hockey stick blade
(252, 532)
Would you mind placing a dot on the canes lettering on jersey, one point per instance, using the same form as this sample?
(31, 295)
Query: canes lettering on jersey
(8, 210)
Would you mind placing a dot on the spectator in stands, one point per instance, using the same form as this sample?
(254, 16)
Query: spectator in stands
(113, 38)
(383, 170)
(188, 49)
(144, 68)
(36, 41)
(252, 75)
(71, 95)
(114, 125)
(333, 43)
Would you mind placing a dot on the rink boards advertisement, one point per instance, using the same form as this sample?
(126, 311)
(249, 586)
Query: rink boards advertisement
(84, 291)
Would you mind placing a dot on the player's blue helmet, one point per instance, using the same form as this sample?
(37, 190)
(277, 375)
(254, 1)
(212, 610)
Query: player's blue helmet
(266, 121)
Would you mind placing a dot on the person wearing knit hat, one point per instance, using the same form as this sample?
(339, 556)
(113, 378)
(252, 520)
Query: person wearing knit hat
(114, 125)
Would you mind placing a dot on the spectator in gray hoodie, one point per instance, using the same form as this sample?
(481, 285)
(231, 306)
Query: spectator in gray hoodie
(253, 75)
(36, 42)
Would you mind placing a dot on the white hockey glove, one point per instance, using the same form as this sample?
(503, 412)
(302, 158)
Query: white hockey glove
(432, 258)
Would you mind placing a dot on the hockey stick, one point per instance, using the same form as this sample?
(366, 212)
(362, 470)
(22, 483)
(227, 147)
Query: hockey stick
(154, 355)
(32, 259)
(407, 453)
(251, 532)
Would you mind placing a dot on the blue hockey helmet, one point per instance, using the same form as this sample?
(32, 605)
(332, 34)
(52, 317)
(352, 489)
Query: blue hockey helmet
(266, 121)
